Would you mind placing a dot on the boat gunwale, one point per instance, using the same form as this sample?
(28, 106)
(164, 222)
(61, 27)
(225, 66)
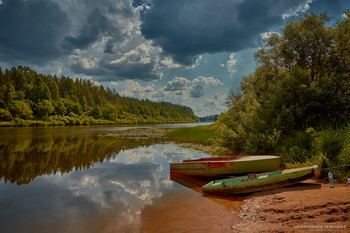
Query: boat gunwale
(223, 159)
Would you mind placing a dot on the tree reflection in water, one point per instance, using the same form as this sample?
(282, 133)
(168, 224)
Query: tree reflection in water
(35, 152)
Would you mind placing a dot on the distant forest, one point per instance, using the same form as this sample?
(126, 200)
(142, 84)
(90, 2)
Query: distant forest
(211, 118)
(29, 98)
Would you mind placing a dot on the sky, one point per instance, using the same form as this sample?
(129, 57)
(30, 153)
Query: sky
(188, 52)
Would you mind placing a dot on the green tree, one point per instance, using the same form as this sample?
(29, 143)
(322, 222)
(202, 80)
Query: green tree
(60, 108)
(44, 109)
(296, 85)
(5, 115)
(21, 109)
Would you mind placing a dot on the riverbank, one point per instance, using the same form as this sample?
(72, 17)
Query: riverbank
(306, 207)
(84, 121)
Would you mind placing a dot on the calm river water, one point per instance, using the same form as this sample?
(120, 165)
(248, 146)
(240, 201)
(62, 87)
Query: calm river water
(85, 179)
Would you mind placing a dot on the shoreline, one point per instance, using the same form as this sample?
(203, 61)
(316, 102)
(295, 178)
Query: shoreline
(96, 122)
(305, 207)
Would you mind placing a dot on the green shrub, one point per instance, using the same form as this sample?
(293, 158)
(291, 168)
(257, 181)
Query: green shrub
(296, 148)
(329, 142)
(5, 115)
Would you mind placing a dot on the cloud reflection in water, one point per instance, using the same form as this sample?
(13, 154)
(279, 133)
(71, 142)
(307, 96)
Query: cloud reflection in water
(108, 197)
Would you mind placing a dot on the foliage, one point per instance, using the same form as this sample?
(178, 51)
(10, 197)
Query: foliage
(328, 148)
(21, 109)
(44, 108)
(296, 86)
(25, 94)
(5, 115)
(297, 102)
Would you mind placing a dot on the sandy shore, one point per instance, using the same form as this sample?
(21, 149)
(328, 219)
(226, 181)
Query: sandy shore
(306, 207)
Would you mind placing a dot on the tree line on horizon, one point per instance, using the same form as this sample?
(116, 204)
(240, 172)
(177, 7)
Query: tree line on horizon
(27, 97)
(209, 118)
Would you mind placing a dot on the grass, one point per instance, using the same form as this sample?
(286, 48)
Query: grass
(328, 148)
(200, 134)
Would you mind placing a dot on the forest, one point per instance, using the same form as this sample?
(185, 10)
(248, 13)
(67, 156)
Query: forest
(297, 102)
(210, 118)
(31, 99)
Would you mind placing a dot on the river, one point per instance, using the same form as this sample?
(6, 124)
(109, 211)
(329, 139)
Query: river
(89, 179)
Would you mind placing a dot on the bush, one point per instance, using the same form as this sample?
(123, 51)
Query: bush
(329, 143)
(296, 148)
(5, 115)
(20, 122)
(44, 108)
(21, 109)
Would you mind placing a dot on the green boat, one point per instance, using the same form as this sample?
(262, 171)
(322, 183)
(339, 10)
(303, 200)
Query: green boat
(226, 166)
(259, 182)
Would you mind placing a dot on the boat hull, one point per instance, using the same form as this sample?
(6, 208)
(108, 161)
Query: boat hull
(262, 181)
(225, 166)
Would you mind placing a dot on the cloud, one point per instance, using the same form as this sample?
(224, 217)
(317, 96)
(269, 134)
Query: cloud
(177, 84)
(136, 3)
(214, 105)
(140, 63)
(178, 89)
(200, 83)
(32, 31)
(141, 54)
(231, 65)
(97, 24)
(95, 38)
(267, 35)
(169, 63)
(187, 29)
(136, 90)
(297, 10)
(110, 37)
(159, 94)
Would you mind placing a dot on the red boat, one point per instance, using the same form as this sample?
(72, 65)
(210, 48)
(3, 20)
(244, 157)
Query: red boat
(228, 165)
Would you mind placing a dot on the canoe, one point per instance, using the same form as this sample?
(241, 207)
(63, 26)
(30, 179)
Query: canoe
(258, 182)
(226, 166)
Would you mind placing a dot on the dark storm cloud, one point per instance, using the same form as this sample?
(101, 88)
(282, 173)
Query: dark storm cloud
(97, 24)
(123, 71)
(106, 72)
(109, 47)
(333, 8)
(187, 29)
(31, 30)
